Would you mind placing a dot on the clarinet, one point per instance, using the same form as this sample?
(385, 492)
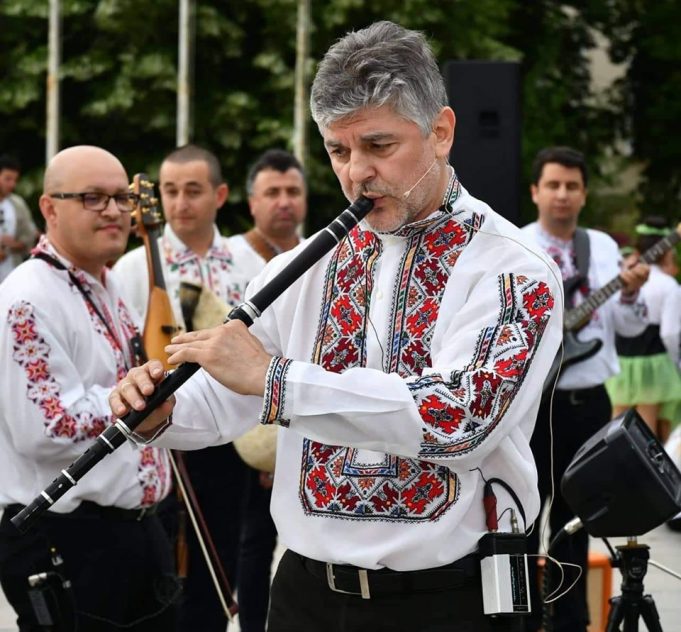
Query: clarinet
(116, 434)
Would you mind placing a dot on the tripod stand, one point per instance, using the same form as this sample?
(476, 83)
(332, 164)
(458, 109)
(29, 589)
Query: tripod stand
(632, 560)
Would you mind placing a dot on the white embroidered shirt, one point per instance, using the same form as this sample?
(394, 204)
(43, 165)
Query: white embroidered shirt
(58, 363)
(407, 367)
(226, 269)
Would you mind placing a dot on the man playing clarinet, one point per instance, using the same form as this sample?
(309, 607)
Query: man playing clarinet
(404, 367)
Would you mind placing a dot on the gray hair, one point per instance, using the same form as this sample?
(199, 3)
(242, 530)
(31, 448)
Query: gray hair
(383, 64)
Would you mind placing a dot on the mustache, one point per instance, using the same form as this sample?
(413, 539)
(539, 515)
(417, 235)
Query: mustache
(365, 189)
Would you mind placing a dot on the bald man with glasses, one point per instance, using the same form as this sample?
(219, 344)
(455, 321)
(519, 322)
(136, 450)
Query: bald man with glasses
(66, 337)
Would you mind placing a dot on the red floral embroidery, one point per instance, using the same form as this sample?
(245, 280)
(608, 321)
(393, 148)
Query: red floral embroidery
(437, 413)
(495, 372)
(335, 481)
(32, 353)
(36, 370)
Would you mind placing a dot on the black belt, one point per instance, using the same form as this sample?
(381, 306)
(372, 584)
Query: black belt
(353, 580)
(92, 511)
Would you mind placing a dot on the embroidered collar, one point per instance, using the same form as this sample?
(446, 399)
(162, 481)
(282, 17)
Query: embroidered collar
(88, 287)
(84, 278)
(558, 242)
(176, 251)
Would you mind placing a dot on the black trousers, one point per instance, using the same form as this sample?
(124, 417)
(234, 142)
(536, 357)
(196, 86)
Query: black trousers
(258, 541)
(577, 415)
(219, 477)
(302, 602)
(120, 572)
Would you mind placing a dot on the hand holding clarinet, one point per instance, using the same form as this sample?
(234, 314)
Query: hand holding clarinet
(229, 353)
(147, 393)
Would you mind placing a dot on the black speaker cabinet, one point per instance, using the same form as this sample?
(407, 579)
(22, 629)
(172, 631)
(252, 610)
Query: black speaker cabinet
(621, 482)
(485, 96)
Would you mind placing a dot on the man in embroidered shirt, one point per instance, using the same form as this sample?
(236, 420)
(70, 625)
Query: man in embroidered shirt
(17, 229)
(580, 404)
(65, 337)
(404, 367)
(192, 250)
(193, 191)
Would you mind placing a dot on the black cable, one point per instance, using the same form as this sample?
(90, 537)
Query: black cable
(547, 618)
(512, 494)
(571, 527)
(613, 553)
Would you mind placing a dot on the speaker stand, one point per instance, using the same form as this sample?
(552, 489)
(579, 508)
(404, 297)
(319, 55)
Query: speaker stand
(632, 560)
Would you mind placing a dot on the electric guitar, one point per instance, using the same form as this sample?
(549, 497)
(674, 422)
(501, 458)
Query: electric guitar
(575, 319)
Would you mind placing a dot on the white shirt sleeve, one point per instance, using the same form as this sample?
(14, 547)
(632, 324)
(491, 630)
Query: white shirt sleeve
(55, 416)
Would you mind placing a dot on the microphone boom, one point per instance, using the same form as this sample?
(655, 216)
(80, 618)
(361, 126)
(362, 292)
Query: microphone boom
(115, 435)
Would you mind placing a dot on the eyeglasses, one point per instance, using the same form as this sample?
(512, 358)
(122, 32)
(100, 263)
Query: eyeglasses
(94, 201)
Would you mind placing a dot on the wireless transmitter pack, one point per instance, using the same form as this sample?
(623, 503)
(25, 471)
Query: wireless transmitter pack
(505, 583)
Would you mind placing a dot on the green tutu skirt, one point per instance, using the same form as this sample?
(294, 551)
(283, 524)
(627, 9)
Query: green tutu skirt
(646, 380)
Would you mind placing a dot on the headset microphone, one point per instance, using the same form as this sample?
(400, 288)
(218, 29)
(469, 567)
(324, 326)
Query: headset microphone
(407, 193)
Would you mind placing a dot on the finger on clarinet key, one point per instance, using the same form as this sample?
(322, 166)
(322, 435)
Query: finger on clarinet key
(118, 408)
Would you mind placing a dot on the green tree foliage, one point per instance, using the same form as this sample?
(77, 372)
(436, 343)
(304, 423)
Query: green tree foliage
(558, 105)
(120, 58)
(647, 36)
(23, 62)
(119, 62)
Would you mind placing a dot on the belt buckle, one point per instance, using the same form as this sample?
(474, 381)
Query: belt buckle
(363, 582)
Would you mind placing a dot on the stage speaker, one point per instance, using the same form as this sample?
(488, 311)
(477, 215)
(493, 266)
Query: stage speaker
(621, 482)
(485, 95)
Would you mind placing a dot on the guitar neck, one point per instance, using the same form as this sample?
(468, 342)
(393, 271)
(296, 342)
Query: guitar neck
(155, 268)
(574, 319)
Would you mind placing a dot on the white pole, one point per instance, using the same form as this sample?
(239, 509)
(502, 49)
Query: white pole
(53, 86)
(184, 72)
(300, 105)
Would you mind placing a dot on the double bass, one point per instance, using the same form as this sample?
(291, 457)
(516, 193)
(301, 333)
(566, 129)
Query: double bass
(159, 328)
